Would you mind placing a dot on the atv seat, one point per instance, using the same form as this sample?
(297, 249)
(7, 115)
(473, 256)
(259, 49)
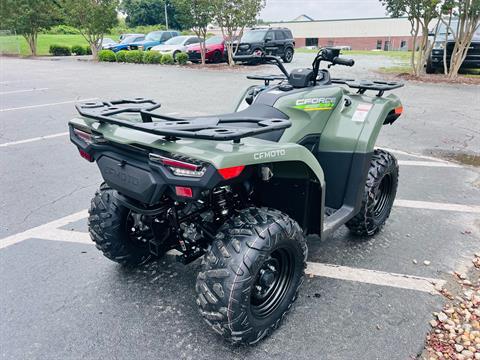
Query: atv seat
(259, 111)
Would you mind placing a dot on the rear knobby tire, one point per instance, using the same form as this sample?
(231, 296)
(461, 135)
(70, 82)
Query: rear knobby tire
(378, 197)
(257, 254)
(107, 225)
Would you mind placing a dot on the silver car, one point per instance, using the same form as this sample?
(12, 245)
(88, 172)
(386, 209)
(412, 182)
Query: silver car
(176, 45)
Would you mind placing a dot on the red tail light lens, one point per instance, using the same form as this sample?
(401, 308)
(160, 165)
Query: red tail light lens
(85, 155)
(183, 191)
(178, 167)
(179, 164)
(83, 135)
(399, 110)
(231, 172)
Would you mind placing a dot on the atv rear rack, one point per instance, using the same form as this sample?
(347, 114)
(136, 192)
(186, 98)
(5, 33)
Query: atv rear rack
(217, 127)
(364, 85)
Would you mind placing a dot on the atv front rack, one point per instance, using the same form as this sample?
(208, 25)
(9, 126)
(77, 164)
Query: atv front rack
(217, 128)
(364, 85)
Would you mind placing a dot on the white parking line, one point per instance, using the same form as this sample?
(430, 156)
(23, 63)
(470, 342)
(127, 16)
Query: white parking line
(25, 141)
(374, 277)
(21, 91)
(401, 152)
(428, 163)
(68, 236)
(51, 231)
(44, 105)
(43, 231)
(427, 205)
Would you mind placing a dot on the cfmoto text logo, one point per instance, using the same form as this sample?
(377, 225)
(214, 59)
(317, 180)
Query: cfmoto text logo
(122, 176)
(269, 154)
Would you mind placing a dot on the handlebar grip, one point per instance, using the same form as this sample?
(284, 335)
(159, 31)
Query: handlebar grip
(343, 61)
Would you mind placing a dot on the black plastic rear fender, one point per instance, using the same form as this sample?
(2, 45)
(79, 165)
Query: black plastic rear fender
(128, 170)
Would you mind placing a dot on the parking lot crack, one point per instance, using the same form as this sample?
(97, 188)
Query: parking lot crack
(54, 201)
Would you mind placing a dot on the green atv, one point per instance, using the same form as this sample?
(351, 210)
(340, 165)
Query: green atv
(242, 190)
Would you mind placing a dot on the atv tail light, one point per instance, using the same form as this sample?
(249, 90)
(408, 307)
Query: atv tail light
(399, 110)
(89, 138)
(231, 172)
(83, 135)
(183, 191)
(179, 168)
(85, 155)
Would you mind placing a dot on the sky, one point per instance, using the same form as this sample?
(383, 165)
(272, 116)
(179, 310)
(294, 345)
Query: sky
(276, 10)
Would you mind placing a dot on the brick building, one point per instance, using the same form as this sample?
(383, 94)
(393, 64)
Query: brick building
(360, 34)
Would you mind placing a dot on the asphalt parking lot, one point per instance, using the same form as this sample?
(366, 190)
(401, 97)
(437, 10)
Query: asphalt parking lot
(60, 299)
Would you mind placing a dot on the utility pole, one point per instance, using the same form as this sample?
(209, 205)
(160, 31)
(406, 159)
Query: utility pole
(166, 15)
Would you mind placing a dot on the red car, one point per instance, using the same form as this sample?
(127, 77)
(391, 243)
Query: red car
(215, 50)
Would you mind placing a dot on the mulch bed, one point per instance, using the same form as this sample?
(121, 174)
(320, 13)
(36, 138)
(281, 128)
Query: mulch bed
(437, 78)
(455, 332)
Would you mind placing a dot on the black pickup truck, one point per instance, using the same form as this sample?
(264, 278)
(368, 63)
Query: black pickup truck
(435, 60)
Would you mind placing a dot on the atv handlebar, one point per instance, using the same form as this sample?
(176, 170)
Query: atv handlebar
(266, 58)
(343, 61)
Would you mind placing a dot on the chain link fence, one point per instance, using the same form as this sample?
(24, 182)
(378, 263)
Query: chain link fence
(9, 43)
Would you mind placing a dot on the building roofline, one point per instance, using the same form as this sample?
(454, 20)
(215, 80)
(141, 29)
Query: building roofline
(330, 20)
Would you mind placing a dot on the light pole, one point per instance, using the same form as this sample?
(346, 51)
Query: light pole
(166, 15)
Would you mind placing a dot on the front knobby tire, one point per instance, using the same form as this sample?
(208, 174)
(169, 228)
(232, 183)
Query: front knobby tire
(251, 274)
(109, 228)
(378, 197)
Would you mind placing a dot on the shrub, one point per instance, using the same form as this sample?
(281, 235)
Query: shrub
(106, 55)
(121, 56)
(152, 57)
(88, 50)
(60, 50)
(78, 50)
(182, 58)
(134, 56)
(167, 59)
(62, 30)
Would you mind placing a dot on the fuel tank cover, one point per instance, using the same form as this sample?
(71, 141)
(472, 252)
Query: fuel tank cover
(300, 78)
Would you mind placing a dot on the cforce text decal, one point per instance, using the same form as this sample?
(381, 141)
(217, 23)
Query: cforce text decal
(315, 104)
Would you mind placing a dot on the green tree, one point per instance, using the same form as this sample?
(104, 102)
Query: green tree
(29, 17)
(233, 16)
(467, 13)
(420, 13)
(151, 12)
(93, 18)
(197, 14)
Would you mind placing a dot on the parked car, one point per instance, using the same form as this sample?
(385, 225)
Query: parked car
(154, 38)
(272, 41)
(126, 42)
(107, 43)
(123, 36)
(176, 45)
(214, 51)
(435, 60)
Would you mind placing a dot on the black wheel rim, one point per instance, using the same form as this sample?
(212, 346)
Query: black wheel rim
(289, 55)
(272, 283)
(383, 197)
